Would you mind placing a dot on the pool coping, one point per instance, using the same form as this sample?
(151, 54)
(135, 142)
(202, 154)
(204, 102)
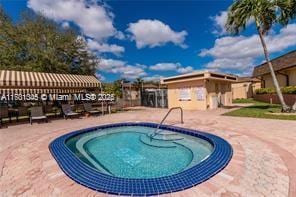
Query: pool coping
(93, 179)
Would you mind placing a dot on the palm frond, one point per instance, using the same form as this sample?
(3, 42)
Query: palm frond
(265, 12)
(239, 13)
(287, 10)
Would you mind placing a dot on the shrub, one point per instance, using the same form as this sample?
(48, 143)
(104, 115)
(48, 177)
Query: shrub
(289, 90)
(285, 90)
(265, 91)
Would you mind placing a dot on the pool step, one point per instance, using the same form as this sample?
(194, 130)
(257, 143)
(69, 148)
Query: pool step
(165, 137)
(196, 157)
(156, 142)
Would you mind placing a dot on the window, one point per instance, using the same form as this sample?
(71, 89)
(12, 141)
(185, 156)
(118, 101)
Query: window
(184, 94)
(200, 93)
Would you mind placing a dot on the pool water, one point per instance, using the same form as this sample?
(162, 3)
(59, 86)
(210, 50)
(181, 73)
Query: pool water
(130, 152)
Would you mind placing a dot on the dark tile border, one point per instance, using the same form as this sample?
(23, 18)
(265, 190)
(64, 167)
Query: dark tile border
(91, 178)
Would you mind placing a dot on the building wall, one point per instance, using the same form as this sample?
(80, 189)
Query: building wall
(193, 103)
(135, 95)
(240, 90)
(292, 76)
(212, 90)
(244, 89)
(256, 85)
(268, 83)
(131, 94)
(219, 89)
(281, 78)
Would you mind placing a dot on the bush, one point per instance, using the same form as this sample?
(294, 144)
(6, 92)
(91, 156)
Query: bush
(289, 90)
(285, 90)
(265, 91)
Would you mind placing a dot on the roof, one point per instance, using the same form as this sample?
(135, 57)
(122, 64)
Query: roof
(153, 86)
(37, 80)
(285, 61)
(144, 85)
(128, 85)
(200, 75)
(247, 79)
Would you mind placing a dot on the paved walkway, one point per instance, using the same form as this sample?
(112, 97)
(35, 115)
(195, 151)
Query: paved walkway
(263, 163)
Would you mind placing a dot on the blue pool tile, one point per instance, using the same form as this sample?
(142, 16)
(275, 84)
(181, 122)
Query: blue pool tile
(89, 177)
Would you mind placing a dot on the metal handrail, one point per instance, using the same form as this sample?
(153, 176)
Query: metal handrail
(171, 109)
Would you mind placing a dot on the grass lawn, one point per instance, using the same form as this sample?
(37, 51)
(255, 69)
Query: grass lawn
(243, 100)
(260, 110)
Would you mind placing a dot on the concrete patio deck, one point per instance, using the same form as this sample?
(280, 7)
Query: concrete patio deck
(263, 164)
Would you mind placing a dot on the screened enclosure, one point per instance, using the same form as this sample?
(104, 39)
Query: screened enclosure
(154, 98)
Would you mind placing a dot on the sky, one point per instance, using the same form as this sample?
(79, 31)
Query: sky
(156, 39)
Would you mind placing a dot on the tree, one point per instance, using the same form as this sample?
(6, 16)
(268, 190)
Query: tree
(39, 44)
(8, 46)
(265, 13)
(139, 83)
(113, 88)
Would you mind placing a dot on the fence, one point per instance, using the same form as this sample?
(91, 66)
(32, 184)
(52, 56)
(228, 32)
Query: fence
(290, 99)
(154, 98)
(128, 102)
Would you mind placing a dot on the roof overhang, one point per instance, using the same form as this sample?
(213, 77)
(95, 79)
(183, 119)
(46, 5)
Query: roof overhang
(280, 63)
(200, 76)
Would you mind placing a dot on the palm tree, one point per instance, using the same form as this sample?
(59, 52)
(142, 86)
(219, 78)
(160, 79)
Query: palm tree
(139, 83)
(265, 13)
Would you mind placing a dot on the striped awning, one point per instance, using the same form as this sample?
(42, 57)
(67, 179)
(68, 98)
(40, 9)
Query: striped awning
(20, 82)
(20, 79)
(11, 91)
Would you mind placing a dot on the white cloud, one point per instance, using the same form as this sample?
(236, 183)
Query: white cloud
(184, 70)
(171, 66)
(141, 66)
(132, 72)
(242, 64)
(107, 65)
(119, 35)
(165, 66)
(154, 33)
(65, 25)
(220, 21)
(94, 20)
(138, 70)
(234, 47)
(153, 78)
(100, 77)
(239, 53)
(122, 68)
(104, 47)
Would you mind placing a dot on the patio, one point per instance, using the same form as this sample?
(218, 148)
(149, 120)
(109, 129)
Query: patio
(263, 163)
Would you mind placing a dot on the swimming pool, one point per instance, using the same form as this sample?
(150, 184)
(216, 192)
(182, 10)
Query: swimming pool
(124, 159)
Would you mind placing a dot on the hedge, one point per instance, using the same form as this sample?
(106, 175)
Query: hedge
(285, 90)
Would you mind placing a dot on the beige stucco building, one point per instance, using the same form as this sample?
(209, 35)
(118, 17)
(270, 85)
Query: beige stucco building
(284, 67)
(199, 90)
(245, 87)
